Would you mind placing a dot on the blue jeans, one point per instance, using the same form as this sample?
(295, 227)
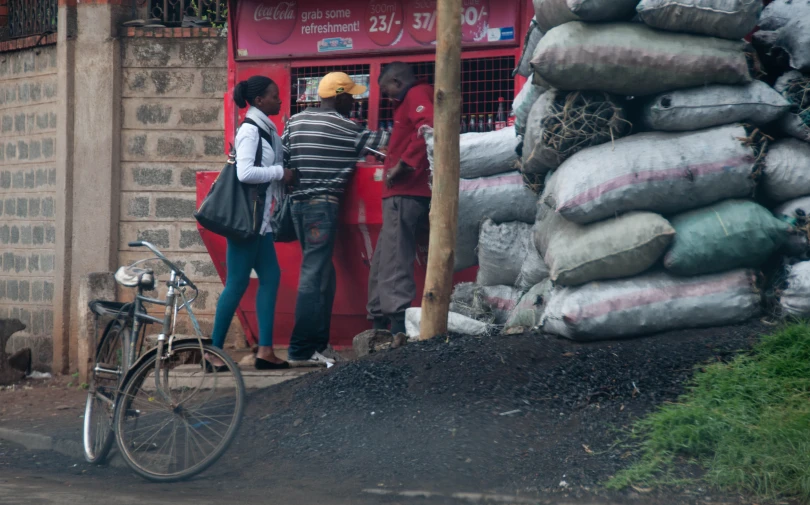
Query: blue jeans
(258, 254)
(316, 223)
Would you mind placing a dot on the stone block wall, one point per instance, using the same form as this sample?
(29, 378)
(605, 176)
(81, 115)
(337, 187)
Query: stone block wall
(172, 127)
(28, 123)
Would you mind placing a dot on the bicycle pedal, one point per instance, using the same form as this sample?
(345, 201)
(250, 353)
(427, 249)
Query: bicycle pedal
(105, 368)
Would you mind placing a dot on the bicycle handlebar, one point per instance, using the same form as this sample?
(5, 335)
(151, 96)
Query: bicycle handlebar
(164, 259)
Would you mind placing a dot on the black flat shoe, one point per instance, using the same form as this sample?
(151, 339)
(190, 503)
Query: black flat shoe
(263, 364)
(209, 368)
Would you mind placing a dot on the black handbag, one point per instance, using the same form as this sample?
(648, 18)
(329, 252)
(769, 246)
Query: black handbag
(232, 208)
(281, 220)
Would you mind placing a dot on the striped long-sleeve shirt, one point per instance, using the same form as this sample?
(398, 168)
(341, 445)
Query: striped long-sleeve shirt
(324, 147)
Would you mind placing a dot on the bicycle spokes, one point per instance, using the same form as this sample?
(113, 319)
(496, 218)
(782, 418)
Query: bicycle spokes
(175, 429)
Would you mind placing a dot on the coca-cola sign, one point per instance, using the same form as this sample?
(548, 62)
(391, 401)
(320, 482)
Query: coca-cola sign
(276, 20)
(292, 29)
(281, 11)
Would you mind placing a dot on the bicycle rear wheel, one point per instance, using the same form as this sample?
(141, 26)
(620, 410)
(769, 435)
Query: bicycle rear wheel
(175, 437)
(111, 355)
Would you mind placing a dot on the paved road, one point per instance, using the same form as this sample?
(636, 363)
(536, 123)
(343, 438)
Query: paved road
(48, 478)
(18, 488)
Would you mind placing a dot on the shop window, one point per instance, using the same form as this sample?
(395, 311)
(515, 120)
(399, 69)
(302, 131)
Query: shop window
(425, 71)
(487, 89)
(304, 88)
(484, 82)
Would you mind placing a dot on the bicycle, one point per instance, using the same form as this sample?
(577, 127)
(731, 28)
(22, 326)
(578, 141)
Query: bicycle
(171, 412)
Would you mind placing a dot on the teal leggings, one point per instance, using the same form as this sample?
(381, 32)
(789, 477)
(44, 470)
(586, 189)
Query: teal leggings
(260, 255)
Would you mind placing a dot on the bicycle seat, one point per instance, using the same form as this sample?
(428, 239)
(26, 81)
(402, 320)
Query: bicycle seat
(133, 277)
(106, 308)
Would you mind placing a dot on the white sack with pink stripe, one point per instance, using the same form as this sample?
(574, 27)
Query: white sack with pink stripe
(651, 303)
(666, 173)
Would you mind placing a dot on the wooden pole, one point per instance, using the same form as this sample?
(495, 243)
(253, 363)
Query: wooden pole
(444, 205)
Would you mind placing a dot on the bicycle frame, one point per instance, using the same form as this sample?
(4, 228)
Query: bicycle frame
(176, 284)
(116, 410)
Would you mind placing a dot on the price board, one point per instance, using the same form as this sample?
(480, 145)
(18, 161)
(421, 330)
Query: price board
(286, 28)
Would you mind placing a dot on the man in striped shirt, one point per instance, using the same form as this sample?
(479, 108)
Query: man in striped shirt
(324, 146)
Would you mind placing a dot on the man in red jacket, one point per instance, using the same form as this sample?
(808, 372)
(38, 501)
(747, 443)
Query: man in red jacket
(406, 198)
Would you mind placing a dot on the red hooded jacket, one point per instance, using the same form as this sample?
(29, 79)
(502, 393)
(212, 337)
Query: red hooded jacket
(411, 113)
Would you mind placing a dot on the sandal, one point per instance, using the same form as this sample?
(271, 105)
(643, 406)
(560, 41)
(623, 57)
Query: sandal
(263, 364)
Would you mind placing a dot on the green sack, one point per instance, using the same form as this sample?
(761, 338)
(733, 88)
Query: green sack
(724, 236)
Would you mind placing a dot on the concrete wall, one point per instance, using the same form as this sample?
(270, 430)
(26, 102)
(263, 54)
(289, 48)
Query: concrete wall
(28, 182)
(172, 127)
(101, 133)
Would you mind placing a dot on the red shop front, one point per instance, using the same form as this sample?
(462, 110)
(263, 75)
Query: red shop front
(295, 42)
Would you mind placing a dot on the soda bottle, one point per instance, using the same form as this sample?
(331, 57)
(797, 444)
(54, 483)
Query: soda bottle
(482, 126)
(500, 119)
(463, 124)
(490, 124)
(473, 127)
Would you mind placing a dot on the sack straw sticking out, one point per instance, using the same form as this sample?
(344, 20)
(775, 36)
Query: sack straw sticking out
(582, 119)
(759, 143)
(798, 94)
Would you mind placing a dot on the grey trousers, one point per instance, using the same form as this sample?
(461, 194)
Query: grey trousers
(391, 287)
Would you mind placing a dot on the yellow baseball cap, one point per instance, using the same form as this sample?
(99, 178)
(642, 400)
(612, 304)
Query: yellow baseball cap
(335, 83)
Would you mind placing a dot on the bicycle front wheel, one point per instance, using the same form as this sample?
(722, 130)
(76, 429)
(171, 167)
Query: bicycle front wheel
(110, 367)
(182, 428)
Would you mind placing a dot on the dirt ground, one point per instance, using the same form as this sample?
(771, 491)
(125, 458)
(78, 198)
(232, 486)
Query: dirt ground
(35, 404)
(523, 415)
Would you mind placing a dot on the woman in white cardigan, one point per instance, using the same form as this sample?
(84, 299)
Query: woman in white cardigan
(259, 254)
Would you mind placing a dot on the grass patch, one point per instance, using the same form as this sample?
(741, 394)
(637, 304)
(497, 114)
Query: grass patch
(746, 423)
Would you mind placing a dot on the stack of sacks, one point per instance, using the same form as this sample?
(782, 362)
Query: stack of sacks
(647, 227)
(786, 185)
(784, 43)
(495, 203)
(653, 230)
(490, 188)
(509, 265)
(611, 213)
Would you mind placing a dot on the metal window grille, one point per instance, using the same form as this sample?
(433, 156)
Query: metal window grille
(484, 81)
(171, 12)
(424, 71)
(31, 17)
(304, 88)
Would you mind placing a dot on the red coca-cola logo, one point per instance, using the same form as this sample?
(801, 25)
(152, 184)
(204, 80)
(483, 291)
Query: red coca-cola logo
(276, 20)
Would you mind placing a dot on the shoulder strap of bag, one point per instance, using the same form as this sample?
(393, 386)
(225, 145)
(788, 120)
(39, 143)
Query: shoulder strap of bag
(263, 135)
